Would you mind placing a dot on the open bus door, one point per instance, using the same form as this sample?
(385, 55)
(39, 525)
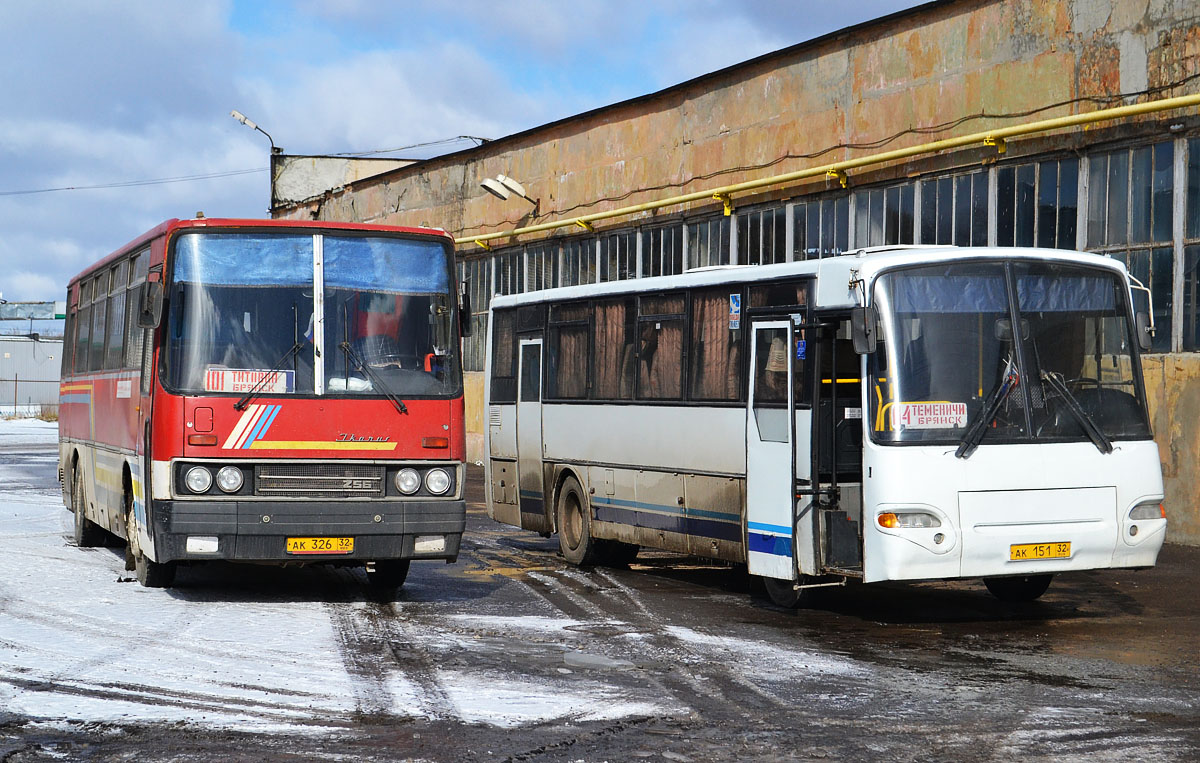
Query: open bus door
(770, 459)
(530, 479)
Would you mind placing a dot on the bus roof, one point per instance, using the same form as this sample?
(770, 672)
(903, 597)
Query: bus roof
(834, 274)
(170, 226)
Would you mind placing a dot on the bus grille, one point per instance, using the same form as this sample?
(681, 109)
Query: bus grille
(319, 480)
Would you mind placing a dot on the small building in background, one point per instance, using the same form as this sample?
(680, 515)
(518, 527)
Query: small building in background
(29, 373)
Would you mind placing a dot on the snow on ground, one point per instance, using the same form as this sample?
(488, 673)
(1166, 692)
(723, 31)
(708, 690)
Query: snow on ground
(28, 432)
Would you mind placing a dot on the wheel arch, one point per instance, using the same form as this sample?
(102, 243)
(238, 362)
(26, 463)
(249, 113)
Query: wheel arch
(561, 473)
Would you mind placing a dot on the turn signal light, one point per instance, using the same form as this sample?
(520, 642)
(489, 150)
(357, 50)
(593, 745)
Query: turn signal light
(202, 439)
(435, 442)
(889, 520)
(908, 519)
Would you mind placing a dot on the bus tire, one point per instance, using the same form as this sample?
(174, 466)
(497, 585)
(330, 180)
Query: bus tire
(1023, 588)
(87, 534)
(575, 525)
(783, 593)
(389, 574)
(149, 574)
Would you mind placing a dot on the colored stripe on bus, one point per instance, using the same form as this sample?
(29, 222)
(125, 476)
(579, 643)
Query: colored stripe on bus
(776, 529)
(668, 518)
(680, 510)
(769, 544)
(317, 445)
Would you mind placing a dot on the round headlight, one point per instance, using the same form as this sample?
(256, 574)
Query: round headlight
(437, 481)
(229, 479)
(198, 479)
(408, 481)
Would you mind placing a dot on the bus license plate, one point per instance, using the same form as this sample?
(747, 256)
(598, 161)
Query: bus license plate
(320, 545)
(1025, 552)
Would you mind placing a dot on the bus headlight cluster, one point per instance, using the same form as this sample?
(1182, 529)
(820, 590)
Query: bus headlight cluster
(437, 481)
(230, 479)
(408, 481)
(908, 519)
(1152, 510)
(198, 479)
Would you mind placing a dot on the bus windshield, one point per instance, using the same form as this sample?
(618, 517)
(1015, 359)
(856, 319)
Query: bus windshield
(957, 350)
(244, 307)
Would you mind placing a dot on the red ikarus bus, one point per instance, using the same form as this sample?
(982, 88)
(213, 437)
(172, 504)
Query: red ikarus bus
(266, 391)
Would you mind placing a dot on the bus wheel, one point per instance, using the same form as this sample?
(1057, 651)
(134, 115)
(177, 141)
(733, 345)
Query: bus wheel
(574, 525)
(87, 533)
(783, 593)
(149, 574)
(389, 574)
(1024, 588)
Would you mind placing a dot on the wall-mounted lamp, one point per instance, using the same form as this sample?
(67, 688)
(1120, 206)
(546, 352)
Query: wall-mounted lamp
(503, 186)
(239, 116)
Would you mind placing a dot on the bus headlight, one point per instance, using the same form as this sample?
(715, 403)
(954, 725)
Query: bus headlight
(908, 519)
(230, 479)
(407, 481)
(1151, 510)
(198, 479)
(437, 481)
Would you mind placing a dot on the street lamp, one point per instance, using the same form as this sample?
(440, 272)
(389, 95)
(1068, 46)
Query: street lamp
(239, 116)
(503, 186)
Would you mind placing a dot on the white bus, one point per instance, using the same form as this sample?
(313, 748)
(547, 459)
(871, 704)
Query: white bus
(908, 413)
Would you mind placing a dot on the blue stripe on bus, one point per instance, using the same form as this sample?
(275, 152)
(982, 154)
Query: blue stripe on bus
(77, 398)
(258, 428)
(666, 518)
(719, 515)
(777, 529)
(769, 544)
(275, 409)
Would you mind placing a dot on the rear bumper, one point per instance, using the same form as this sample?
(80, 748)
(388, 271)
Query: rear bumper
(257, 530)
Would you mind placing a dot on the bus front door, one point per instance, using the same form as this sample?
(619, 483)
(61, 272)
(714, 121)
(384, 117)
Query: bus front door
(770, 437)
(530, 488)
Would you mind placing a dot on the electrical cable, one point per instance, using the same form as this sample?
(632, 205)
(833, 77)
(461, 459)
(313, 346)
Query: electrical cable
(928, 130)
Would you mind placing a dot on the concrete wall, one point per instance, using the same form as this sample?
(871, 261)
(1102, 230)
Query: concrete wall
(300, 178)
(1173, 389)
(935, 66)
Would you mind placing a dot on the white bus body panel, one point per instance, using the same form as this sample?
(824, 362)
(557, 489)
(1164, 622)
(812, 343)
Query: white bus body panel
(1004, 495)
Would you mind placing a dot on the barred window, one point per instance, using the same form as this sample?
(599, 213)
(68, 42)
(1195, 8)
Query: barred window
(884, 216)
(579, 262)
(543, 266)
(708, 242)
(1130, 216)
(1037, 204)
(662, 251)
(618, 256)
(954, 210)
(762, 236)
(820, 228)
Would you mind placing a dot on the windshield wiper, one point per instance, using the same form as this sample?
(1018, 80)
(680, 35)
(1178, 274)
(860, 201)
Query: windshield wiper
(241, 404)
(360, 365)
(1098, 438)
(974, 435)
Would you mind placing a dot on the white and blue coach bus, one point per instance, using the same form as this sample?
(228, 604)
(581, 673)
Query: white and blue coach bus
(896, 414)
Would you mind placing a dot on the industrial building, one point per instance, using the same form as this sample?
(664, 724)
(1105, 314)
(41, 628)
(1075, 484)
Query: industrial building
(970, 122)
(29, 372)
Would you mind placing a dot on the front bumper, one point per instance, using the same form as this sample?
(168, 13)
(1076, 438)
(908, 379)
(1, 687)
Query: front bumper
(257, 530)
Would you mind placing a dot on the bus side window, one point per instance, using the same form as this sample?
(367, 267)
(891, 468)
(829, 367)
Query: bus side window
(503, 380)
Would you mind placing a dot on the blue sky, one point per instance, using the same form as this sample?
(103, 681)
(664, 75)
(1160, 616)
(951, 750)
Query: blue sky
(98, 94)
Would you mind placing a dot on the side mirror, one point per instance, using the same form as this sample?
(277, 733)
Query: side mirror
(464, 308)
(150, 303)
(1145, 330)
(862, 329)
